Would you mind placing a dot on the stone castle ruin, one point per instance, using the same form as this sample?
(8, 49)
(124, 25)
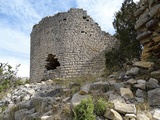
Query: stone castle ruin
(148, 27)
(66, 45)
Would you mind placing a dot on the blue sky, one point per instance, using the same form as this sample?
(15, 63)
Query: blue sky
(17, 18)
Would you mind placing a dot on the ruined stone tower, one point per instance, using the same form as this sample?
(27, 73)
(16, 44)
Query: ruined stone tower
(68, 44)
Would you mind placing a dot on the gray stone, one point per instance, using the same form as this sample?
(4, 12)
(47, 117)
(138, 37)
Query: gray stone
(126, 93)
(147, 65)
(133, 71)
(153, 97)
(140, 93)
(142, 117)
(77, 98)
(139, 99)
(152, 84)
(112, 114)
(156, 114)
(125, 108)
(85, 89)
(47, 118)
(141, 84)
(117, 86)
(130, 117)
(116, 98)
(155, 74)
(20, 114)
(103, 86)
(131, 81)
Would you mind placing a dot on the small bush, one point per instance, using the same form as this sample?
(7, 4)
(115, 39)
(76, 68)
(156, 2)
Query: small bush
(100, 107)
(84, 111)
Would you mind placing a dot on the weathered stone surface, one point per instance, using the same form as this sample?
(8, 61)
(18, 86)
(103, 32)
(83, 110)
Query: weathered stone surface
(77, 98)
(117, 86)
(85, 89)
(130, 117)
(133, 71)
(141, 84)
(155, 10)
(147, 65)
(144, 35)
(126, 93)
(155, 74)
(76, 42)
(153, 97)
(156, 114)
(125, 108)
(152, 84)
(112, 114)
(46, 117)
(142, 117)
(131, 81)
(140, 93)
(103, 86)
(147, 25)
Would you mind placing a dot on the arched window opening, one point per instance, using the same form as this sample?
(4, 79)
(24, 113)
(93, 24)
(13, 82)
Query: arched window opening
(52, 62)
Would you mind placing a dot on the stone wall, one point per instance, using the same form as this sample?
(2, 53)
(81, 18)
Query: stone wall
(148, 27)
(75, 40)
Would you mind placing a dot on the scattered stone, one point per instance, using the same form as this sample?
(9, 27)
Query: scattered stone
(130, 117)
(152, 84)
(46, 117)
(156, 114)
(85, 89)
(155, 74)
(147, 65)
(125, 108)
(154, 97)
(112, 114)
(103, 86)
(77, 98)
(126, 93)
(140, 84)
(140, 93)
(117, 86)
(116, 98)
(131, 81)
(133, 71)
(142, 117)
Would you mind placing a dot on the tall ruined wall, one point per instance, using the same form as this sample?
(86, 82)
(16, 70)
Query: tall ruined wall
(148, 27)
(77, 42)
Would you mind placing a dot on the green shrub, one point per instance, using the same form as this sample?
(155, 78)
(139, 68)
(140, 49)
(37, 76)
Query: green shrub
(85, 110)
(100, 107)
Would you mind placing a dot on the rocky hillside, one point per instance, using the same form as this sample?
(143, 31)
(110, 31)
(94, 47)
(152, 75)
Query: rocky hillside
(133, 94)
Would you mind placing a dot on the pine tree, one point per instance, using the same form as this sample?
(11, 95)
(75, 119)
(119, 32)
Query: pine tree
(124, 23)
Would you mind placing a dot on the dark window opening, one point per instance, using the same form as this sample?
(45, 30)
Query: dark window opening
(87, 20)
(82, 32)
(52, 62)
(64, 19)
(84, 17)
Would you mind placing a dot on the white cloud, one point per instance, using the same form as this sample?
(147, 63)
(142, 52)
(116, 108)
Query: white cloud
(102, 11)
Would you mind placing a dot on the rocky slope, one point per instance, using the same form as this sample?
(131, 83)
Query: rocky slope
(134, 95)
